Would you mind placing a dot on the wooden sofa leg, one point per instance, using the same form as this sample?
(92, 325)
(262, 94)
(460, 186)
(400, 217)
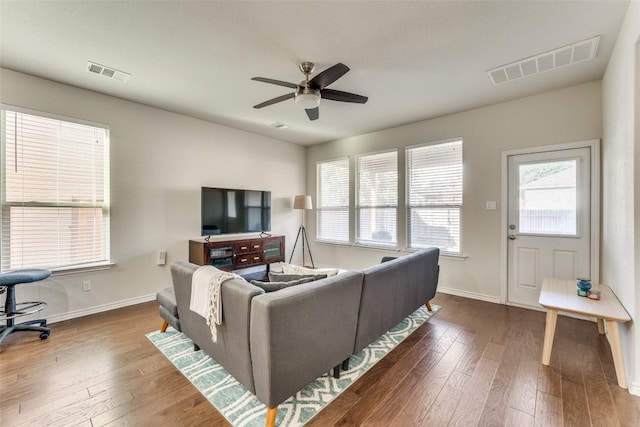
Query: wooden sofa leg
(271, 416)
(428, 304)
(164, 327)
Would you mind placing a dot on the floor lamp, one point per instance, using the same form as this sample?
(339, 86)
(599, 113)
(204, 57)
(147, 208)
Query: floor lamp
(304, 203)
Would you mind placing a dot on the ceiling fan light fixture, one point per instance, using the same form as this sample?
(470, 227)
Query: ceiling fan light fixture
(307, 100)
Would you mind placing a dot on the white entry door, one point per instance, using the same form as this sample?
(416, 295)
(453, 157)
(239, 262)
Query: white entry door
(549, 220)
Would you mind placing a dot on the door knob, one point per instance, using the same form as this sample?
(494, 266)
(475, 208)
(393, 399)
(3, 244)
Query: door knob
(512, 237)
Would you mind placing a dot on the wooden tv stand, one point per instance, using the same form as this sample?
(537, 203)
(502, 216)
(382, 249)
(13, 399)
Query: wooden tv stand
(237, 253)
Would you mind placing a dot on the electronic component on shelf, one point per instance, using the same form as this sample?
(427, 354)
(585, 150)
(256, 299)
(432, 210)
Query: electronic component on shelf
(220, 252)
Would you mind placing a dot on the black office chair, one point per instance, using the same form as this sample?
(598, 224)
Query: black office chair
(12, 310)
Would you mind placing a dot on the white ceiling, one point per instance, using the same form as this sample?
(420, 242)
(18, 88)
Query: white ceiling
(414, 59)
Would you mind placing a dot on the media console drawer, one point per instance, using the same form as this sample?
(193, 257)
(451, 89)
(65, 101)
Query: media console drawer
(248, 246)
(245, 260)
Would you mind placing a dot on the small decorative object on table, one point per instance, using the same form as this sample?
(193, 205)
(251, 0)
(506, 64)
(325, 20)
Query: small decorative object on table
(584, 286)
(594, 295)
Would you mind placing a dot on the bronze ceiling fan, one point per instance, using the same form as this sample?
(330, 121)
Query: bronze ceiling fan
(309, 92)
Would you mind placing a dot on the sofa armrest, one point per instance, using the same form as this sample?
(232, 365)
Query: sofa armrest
(299, 333)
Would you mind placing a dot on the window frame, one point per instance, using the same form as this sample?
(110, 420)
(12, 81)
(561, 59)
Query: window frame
(408, 206)
(105, 206)
(319, 208)
(356, 208)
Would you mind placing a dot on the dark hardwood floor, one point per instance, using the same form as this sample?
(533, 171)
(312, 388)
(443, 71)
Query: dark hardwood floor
(474, 363)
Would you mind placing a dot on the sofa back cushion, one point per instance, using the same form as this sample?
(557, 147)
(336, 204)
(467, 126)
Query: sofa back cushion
(276, 286)
(301, 332)
(393, 290)
(287, 277)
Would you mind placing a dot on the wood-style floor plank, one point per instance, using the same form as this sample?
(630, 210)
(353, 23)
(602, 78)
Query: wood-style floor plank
(470, 406)
(440, 413)
(411, 406)
(473, 364)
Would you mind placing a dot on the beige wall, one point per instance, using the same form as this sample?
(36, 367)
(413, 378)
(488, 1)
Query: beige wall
(159, 161)
(621, 184)
(570, 114)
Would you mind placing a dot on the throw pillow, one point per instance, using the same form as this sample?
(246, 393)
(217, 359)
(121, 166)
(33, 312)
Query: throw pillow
(276, 286)
(295, 269)
(284, 277)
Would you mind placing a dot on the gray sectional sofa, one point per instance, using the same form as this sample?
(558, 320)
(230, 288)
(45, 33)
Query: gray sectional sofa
(276, 343)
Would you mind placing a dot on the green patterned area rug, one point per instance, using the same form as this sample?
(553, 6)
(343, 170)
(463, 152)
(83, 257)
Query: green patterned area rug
(242, 409)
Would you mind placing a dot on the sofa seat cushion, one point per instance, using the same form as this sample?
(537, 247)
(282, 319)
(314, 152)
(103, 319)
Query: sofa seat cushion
(276, 286)
(167, 299)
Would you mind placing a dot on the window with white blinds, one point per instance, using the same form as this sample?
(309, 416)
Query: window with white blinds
(377, 198)
(332, 204)
(434, 196)
(54, 194)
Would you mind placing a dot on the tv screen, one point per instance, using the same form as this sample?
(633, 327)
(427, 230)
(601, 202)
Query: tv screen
(224, 210)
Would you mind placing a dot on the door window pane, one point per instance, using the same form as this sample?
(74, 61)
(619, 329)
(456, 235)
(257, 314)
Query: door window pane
(548, 198)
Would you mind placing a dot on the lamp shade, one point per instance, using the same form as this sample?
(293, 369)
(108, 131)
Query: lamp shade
(302, 202)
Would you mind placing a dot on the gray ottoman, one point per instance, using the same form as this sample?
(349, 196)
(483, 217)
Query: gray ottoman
(168, 308)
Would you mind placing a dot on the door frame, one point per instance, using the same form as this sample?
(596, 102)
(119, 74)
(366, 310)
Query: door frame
(594, 146)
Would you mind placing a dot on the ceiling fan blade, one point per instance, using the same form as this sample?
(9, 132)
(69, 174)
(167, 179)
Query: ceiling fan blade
(275, 82)
(275, 100)
(328, 76)
(313, 113)
(338, 95)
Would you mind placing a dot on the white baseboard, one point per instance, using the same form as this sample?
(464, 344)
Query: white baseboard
(467, 294)
(100, 308)
(634, 388)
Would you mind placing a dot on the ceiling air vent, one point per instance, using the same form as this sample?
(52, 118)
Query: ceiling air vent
(546, 61)
(109, 72)
(279, 125)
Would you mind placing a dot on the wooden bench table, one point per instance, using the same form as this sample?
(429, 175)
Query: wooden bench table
(560, 295)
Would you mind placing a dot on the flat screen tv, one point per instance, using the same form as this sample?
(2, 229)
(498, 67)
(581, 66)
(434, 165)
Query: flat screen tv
(225, 211)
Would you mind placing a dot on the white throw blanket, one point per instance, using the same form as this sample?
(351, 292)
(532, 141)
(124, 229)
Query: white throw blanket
(205, 295)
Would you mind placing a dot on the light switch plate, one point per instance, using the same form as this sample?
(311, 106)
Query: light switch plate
(491, 206)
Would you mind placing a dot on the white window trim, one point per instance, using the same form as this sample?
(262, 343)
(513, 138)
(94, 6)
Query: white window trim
(318, 209)
(356, 229)
(453, 255)
(70, 269)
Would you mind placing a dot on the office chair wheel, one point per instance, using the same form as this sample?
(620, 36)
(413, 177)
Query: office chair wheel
(44, 335)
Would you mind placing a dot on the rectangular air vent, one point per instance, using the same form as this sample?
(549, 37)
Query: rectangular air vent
(279, 125)
(546, 61)
(109, 72)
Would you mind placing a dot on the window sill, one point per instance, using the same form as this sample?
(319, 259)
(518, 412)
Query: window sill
(329, 242)
(82, 269)
(390, 248)
(443, 255)
(454, 257)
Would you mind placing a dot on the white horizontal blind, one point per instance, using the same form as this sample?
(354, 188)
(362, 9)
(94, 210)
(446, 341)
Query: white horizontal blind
(434, 196)
(54, 193)
(332, 204)
(377, 198)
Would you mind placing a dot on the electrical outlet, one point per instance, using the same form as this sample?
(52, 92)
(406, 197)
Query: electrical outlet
(86, 285)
